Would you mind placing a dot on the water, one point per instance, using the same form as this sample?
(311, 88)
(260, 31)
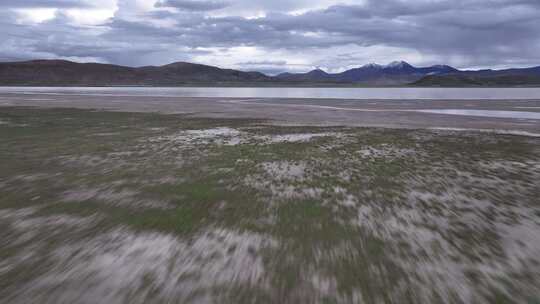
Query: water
(327, 93)
(485, 113)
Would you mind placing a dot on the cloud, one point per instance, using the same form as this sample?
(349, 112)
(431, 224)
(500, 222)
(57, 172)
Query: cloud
(192, 5)
(303, 34)
(45, 4)
(264, 62)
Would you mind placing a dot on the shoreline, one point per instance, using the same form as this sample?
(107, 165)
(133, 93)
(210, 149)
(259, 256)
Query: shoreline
(400, 114)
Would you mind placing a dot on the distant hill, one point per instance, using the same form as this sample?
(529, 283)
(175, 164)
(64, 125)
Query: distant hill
(395, 73)
(61, 72)
(398, 73)
(313, 76)
(508, 77)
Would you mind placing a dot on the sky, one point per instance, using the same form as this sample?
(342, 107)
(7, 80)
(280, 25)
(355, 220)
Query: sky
(274, 36)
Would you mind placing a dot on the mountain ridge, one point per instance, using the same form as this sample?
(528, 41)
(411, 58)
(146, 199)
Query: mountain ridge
(63, 72)
(394, 73)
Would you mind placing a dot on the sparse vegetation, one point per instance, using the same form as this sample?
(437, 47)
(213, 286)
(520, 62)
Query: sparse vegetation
(152, 208)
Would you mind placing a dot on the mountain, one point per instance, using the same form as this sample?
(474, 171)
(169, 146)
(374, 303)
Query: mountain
(507, 77)
(438, 69)
(395, 73)
(61, 72)
(400, 73)
(313, 76)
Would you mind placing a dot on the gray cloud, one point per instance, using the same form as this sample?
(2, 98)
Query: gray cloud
(44, 4)
(265, 62)
(193, 5)
(472, 33)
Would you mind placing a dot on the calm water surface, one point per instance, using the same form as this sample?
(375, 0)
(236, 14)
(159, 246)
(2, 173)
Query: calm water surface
(485, 113)
(337, 93)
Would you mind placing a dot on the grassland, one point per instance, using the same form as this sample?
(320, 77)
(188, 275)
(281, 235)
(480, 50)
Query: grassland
(154, 208)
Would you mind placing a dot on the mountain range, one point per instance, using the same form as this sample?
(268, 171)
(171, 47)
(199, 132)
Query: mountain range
(398, 73)
(395, 73)
(62, 72)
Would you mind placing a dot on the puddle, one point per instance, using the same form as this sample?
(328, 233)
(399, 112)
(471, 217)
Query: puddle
(485, 113)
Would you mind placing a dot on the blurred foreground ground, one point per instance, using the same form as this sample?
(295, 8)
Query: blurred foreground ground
(116, 207)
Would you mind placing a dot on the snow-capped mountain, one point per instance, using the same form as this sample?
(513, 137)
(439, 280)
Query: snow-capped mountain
(396, 72)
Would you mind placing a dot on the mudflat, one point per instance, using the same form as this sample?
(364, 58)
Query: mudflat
(329, 112)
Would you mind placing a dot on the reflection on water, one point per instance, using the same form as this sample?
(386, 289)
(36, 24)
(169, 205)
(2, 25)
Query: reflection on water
(337, 93)
(486, 113)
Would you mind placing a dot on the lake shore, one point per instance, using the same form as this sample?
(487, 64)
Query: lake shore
(316, 112)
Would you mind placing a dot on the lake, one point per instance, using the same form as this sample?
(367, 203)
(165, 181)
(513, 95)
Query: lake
(326, 93)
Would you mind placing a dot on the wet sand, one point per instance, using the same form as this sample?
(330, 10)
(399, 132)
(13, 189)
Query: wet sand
(330, 112)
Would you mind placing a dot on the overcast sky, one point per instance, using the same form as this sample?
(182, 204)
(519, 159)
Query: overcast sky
(274, 35)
